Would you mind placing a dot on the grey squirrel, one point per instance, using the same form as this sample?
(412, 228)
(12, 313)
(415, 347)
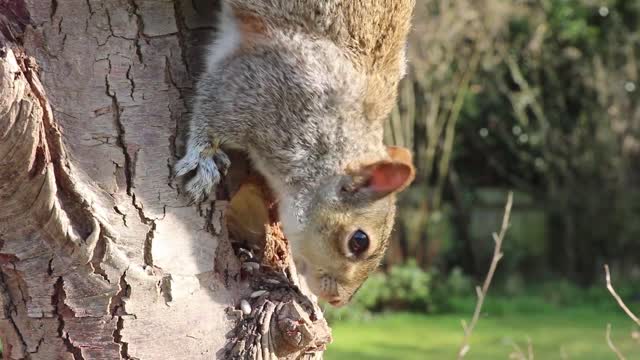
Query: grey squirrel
(304, 87)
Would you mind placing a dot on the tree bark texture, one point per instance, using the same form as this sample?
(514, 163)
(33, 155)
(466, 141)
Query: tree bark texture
(100, 257)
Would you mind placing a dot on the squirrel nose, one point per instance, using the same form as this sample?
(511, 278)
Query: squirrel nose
(336, 301)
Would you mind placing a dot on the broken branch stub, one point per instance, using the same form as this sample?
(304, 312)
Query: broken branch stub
(277, 320)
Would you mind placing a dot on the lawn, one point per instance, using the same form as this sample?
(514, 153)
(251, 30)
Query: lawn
(558, 334)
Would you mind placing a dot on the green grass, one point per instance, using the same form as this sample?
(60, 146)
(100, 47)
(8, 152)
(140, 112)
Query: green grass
(580, 333)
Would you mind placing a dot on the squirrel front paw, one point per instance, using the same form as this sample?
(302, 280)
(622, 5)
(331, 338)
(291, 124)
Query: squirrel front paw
(209, 165)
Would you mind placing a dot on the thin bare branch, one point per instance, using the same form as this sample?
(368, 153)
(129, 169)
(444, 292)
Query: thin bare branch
(617, 297)
(482, 292)
(611, 344)
(519, 354)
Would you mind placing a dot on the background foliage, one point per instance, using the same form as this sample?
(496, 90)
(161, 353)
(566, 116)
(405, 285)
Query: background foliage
(537, 96)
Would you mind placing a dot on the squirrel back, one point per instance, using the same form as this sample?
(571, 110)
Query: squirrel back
(372, 33)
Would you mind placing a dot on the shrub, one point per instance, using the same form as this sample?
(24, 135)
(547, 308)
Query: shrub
(406, 287)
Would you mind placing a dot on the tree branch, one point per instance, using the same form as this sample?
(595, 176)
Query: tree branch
(482, 292)
(624, 307)
(617, 297)
(612, 346)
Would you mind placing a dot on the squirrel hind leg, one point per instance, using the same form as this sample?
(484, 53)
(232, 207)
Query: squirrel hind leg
(208, 168)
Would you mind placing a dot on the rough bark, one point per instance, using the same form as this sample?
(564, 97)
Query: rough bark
(100, 258)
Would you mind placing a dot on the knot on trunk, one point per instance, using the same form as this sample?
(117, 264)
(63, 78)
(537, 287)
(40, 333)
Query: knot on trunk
(276, 321)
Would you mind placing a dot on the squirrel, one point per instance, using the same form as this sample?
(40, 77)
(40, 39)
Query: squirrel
(304, 87)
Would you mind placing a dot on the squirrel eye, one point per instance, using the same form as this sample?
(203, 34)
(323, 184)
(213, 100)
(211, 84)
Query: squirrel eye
(358, 243)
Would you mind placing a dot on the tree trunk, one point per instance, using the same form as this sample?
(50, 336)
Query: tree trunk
(99, 256)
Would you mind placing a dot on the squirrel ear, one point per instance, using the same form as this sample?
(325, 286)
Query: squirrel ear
(400, 154)
(388, 177)
(383, 178)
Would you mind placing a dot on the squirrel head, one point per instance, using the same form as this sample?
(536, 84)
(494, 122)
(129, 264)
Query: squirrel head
(349, 222)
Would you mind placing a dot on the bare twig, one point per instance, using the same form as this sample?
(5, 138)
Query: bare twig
(482, 292)
(612, 346)
(624, 307)
(519, 354)
(617, 297)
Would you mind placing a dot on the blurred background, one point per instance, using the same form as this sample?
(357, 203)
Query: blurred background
(535, 96)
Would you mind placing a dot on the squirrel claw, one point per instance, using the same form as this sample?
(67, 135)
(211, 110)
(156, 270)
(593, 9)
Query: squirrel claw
(208, 172)
(222, 161)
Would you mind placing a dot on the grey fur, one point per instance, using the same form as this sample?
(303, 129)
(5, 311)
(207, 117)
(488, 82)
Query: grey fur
(296, 96)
